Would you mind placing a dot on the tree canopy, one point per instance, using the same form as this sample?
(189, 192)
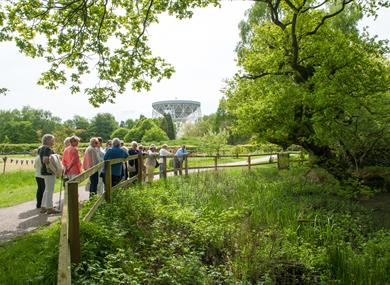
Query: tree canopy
(309, 78)
(106, 38)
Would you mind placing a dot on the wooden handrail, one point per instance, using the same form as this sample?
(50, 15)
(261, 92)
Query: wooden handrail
(87, 173)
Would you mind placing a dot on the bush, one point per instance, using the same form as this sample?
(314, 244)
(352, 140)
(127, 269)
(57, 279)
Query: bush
(155, 134)
(119, 133)
(18, 148)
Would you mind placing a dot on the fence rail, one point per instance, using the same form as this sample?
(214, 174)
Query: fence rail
(69, 247)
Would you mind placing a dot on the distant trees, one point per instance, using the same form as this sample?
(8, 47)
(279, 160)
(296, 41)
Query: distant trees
(103, 124)
(26, 125)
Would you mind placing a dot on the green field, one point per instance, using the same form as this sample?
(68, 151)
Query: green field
(18, 187)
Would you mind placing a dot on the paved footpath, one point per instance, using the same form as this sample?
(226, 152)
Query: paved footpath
(20, 219)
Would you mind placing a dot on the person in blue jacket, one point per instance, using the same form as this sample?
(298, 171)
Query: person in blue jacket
(112, 153)
(180, 155)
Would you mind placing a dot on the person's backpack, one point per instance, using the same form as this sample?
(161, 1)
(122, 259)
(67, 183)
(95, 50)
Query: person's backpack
(55, 164)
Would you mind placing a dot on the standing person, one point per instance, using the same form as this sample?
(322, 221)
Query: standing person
(71, 159)
(50, 179)
(91, 158)
(141, 150)
(163, 152)
(133, 164)
(151, 162)
(113, 153)
(180, 156)
(108, 145)
(101, 152)
(125, 171)
(67, 142)
(39, 178)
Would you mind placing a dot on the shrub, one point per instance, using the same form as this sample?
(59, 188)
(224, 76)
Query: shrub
(120, 133)
(155, 134)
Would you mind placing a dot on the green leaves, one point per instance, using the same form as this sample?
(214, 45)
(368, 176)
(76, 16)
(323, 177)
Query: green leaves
(106, 38)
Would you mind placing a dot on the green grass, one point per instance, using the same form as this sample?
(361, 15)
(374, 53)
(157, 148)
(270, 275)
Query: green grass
(18, 187)
(234, 227)
(31, 259)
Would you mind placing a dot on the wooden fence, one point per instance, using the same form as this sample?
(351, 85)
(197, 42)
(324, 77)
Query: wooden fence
(69, 245)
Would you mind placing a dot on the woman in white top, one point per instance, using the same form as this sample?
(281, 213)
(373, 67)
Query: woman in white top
(151, 161)
(163, 152)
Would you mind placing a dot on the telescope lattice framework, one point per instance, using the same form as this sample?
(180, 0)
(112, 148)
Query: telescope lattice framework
(181, 111)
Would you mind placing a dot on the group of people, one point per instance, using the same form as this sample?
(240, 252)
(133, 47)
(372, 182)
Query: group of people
(94, 154)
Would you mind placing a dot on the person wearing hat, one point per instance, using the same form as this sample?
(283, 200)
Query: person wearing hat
(151, 162)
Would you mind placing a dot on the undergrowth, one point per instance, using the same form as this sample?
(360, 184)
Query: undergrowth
(233, 227)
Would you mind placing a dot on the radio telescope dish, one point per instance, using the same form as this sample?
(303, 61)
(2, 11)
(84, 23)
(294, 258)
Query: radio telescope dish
(181, 111)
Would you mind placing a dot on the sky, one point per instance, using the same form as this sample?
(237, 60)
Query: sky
(201, 49)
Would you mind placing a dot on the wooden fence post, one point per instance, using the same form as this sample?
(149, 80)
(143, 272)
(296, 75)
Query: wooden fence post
(107, 180)
(216, 163)
(249, 162)
(164, 167)
(186, 165)
(74, 222)
(140, 164)
(5, 162)
(283, 160)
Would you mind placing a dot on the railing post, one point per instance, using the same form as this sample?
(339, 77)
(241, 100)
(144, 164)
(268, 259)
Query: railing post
(165, 167)
(74, 222)
(186, 165)
(107, 181)
(5, 162)
(140, 163)
(215, 162)
(249, 162)
(283, 160)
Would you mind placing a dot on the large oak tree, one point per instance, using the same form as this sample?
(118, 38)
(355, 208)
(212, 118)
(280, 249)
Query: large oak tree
(309, 77)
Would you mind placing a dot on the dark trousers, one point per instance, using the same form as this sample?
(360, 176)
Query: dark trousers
(94, 183)
(114, 179)
(40, 190)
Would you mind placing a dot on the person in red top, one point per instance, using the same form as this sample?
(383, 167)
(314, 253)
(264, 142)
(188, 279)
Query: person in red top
(71, 158)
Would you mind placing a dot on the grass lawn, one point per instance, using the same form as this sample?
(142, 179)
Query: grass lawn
(30, 259)
(18, 187)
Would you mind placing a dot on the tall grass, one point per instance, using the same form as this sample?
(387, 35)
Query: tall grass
(235, 227)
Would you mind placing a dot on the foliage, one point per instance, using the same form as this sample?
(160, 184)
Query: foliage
(200, 128)
(300, 68)
(119, 133)
(18, 148)
(107, 38)
(102, 125)
(214, 142)
(166, 124)
(26, 125)
(155, 134)
(239, 227)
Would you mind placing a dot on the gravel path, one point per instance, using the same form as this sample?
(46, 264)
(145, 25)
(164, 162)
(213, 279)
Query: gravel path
(20, 219)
